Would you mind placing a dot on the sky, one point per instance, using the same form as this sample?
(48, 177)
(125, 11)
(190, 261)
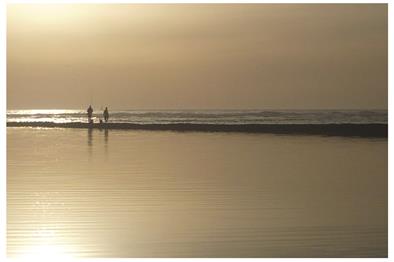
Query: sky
(197, 56)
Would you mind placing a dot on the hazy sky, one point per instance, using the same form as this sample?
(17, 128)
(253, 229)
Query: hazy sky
(184, 56)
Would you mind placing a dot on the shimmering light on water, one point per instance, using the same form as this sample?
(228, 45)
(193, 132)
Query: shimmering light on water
(43, 111)
(205, 116)
(92, 193)
(45, 253)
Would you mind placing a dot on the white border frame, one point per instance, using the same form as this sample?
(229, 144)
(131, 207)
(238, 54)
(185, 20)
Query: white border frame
(3, 103)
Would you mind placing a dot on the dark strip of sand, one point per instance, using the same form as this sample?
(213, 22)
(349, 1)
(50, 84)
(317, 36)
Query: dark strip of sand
(358, 130)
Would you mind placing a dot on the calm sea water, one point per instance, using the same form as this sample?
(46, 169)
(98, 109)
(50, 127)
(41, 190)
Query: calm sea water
(115, 193)
(207, 116)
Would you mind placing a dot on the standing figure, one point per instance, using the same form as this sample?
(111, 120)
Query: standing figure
(90, 112)
(106, 114)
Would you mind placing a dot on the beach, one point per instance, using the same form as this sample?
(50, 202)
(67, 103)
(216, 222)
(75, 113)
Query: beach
(91, 192)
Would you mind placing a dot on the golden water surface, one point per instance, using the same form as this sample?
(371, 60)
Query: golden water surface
(80, 193)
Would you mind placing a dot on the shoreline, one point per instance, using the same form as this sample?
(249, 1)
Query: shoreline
(347, 130)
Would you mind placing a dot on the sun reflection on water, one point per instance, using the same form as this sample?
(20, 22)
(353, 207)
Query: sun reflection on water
(45, 252)
(43, 111)
(47, 246)
(46, 115)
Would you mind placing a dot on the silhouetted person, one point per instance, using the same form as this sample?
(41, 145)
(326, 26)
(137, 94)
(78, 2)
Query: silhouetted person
(90, 113)
(106, 114)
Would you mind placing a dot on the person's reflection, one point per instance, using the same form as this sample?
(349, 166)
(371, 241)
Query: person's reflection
(106, 136)
(90, 140)
(106, 141)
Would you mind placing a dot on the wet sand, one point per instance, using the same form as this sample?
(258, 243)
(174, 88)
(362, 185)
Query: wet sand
(130, 193)
(348, 130)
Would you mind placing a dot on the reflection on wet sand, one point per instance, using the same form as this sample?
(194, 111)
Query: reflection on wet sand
(90, 140)
(171, 194)
(106, 141)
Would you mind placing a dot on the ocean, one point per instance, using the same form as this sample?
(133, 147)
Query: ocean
(212, 117)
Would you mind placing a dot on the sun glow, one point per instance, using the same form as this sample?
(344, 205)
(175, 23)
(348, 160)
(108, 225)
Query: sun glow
(47, 15)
